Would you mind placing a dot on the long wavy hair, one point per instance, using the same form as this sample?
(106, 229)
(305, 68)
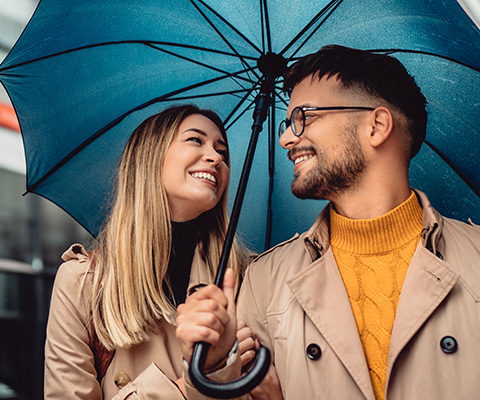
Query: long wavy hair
(133, 249)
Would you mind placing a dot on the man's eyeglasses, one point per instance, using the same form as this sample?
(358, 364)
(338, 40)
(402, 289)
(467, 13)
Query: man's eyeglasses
(298, 118)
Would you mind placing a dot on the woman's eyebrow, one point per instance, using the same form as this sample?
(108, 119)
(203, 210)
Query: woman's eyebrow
(196, 130)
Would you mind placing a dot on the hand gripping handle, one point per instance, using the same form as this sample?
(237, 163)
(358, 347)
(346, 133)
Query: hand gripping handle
(227, 390)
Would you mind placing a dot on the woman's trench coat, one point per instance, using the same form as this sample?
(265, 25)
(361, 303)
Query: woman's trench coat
(294, 299)
(151, 368)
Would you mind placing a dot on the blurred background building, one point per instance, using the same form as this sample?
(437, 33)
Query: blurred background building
(33, 235)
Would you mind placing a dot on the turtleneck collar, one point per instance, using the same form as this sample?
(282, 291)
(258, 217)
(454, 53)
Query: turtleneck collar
(185, 236)
(378, 235)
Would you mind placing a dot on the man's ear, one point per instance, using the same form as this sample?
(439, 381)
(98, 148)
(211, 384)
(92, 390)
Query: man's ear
(381, 124)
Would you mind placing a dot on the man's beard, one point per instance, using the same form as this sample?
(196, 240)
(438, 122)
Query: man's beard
(330, 177)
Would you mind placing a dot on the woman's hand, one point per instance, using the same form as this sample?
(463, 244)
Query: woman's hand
(209, 315)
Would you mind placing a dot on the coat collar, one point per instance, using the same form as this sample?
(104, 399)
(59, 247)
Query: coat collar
(317, 238)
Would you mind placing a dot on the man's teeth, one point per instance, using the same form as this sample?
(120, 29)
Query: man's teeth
(302, 158)
(204, 175)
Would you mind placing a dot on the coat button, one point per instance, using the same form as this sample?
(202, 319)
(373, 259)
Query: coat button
(313, 351)
(121, 379)
(449, 344)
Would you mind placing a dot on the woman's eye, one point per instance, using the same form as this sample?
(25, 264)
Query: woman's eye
(194, 139)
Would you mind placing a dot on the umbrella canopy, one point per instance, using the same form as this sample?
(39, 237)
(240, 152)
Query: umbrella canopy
(83, 75)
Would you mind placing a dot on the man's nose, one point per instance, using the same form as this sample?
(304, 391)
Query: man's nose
(288, 139)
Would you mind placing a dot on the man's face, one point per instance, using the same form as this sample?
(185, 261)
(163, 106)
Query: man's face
(328, 156)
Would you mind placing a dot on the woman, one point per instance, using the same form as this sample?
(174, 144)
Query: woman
(111, 329)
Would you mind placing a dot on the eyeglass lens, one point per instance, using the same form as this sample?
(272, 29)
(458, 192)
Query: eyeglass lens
(296, 122)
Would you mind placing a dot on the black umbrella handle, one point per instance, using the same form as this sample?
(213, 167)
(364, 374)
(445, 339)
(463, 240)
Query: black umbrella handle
(227, 390)
(243, 385)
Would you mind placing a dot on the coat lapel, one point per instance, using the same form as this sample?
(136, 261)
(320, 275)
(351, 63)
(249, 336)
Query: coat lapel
(320, 291)
(427, 283)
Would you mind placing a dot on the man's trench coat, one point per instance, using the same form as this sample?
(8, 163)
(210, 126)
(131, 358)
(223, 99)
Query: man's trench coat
(294, 299)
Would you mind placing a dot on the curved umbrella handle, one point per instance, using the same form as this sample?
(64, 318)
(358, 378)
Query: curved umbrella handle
(227, 390)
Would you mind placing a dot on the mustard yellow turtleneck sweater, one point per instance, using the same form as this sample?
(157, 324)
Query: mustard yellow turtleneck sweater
(373, 257)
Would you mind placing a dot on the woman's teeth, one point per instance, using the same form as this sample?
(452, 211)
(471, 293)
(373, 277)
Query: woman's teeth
(204, 175)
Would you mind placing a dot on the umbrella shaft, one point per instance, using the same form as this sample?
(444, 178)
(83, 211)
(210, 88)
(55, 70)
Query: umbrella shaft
(262, 103)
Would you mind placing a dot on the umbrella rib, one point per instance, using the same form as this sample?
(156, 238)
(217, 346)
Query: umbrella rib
(222, 36)
(249, 107)
(315, 30)
(244, 98)
(278, 95)
(201, 64)
(247, 70)
(148, 43)
(427, 53)
(262, 26)
(267, 25)
(227, 23)
(333, 3)
(199, 96)
(453, 167)
(115, 122)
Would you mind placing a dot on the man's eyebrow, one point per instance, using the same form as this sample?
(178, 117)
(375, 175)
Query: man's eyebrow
(304, 105)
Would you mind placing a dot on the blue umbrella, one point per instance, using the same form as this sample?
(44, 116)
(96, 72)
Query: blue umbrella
(83, 75)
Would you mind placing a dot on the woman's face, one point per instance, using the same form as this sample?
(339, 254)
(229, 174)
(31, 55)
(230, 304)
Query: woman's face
(195, 173)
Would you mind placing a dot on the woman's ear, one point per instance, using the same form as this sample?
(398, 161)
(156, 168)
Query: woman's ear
(381, 124)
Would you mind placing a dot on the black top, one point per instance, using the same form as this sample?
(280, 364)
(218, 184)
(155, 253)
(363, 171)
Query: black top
(184, 241)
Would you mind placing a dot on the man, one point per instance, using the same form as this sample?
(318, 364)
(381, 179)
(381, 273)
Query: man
(380, 297)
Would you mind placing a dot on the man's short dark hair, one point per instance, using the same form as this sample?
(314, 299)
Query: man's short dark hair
(377, 74)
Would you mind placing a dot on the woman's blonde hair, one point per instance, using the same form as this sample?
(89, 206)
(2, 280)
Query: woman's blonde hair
(131, 259)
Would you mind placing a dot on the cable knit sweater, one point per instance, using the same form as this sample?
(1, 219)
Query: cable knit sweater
(373, 257)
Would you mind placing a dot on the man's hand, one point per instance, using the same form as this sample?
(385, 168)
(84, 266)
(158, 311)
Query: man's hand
(247, 345)
(269, 388)
(209, 315)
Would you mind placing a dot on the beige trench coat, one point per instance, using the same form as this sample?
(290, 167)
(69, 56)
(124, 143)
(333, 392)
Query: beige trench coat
(69, 363)
(293, 296)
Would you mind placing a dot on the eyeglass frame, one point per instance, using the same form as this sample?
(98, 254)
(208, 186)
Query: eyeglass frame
(287, 122)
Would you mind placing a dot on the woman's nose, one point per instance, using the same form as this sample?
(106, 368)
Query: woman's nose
(288, 139)
(212, 156)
